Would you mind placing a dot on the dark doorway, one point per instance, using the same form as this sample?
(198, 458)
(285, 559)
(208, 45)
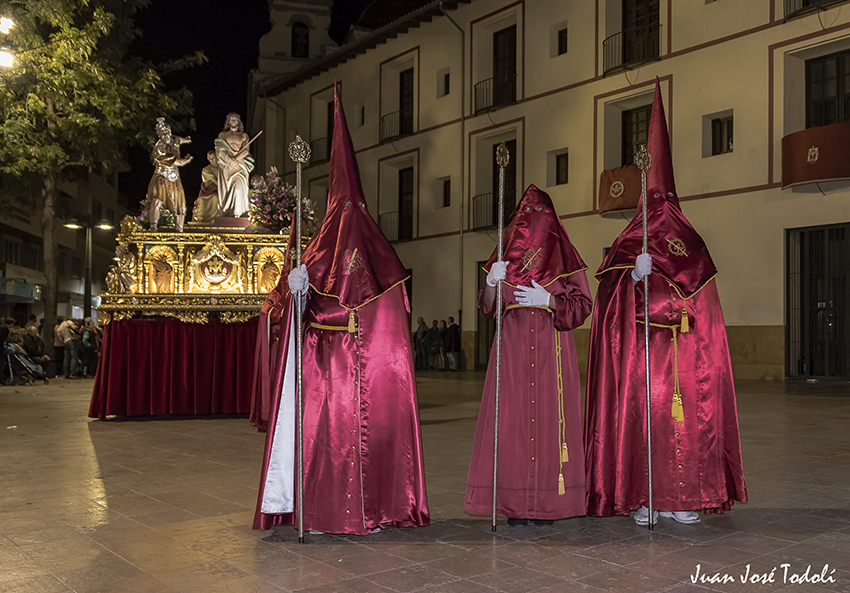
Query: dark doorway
(330, 125)
(504, 66)
(635, 131)
(640, 30)
(817, 259)
(405, 204)
(405, 101)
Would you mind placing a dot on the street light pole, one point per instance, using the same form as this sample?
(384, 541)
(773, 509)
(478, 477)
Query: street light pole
(87, 287)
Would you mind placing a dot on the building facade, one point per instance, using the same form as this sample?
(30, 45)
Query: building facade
(757, 97)
(87, 197)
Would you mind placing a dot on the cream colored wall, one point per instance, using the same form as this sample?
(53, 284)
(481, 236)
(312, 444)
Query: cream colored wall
(739, 209)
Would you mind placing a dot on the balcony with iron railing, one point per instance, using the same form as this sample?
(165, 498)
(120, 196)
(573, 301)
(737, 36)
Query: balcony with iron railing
(631, 48)
(799, 8)
(485, 209)
(495, 92)
(320, 150)
(396, 124)
(396, 228)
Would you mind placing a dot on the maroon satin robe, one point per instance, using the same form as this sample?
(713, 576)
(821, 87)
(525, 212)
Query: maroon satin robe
(363, 466)
(529, 454)
(696, 464)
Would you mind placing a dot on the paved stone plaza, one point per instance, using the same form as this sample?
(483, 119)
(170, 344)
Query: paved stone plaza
(166, 505)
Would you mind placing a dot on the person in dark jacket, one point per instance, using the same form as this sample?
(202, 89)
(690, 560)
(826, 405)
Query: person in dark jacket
(34, 347)
(452, 343)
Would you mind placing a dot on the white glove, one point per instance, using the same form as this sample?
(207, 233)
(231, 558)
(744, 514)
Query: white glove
(532, 297)
(643, 267)
(497, 273)
(299, 280)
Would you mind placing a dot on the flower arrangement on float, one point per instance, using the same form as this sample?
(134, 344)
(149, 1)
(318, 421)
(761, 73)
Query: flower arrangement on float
(166, 217)
(273, 205)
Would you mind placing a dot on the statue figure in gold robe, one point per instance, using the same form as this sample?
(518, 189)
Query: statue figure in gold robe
(206, 205)
(165, 189)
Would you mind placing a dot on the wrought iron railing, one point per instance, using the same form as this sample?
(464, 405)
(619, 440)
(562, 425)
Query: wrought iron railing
(631, 48)
(396, 124)
(797, 8)
(320, 150)
(495, 92)
(396, 227)
(485, 209)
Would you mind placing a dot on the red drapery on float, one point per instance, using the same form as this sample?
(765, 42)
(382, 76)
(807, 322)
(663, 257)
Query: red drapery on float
(159, 366)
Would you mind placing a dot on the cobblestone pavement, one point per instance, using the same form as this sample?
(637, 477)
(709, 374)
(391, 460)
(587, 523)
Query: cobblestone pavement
(166, 505)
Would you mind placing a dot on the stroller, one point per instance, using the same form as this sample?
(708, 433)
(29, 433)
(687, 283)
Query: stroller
(22, 370)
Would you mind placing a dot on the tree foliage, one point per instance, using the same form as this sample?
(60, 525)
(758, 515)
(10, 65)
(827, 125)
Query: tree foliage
(75, 96)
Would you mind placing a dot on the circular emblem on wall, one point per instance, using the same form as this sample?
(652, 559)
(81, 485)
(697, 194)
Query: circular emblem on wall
(676, 247)
(10, 287)
(617, 189)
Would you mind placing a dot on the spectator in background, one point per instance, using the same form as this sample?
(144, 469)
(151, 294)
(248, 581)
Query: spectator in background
(452, 344)
(70, 332)
(420, 343)
(32, 321)
(433, 340)
(91, 348)
(58, 345)
(34, 347)
(443, 359)
(4, 336)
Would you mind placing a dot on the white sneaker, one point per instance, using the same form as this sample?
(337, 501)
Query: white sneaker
(685, 517)
(642, 516)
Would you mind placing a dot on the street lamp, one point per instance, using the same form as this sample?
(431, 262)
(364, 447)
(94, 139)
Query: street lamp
(7, 56)
(73, 223)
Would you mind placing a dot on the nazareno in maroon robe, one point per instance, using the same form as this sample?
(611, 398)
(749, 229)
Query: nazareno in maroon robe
(696, 462)
(363, 465)
(268, 340)
(539, 401)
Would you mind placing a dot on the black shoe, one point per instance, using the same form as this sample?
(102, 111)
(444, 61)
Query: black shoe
(517, 522)
(542, 522)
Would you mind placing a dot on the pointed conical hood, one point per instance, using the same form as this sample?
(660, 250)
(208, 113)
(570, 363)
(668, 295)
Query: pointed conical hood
(536, 243)
(678, 252)
(659, 178)
(349, 258)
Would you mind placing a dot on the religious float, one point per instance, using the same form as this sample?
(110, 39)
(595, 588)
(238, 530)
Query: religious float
(183, 299)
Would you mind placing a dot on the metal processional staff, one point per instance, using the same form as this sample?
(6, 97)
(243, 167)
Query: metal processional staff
(299, 151)
(643, 160)
(502, 159)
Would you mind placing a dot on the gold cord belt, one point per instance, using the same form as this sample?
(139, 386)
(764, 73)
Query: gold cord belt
(562, 421)
(350, 328)
(509, 307)
(677, 410)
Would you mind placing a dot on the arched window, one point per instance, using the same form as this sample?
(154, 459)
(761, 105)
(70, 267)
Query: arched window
(300, 41)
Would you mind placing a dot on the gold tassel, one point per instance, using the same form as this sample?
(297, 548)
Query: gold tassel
(678, 412)
(565, 455)
(685, 324)
(351, 327)
(561, 489)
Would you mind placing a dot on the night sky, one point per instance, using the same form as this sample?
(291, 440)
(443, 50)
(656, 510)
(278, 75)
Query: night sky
(228, 33)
